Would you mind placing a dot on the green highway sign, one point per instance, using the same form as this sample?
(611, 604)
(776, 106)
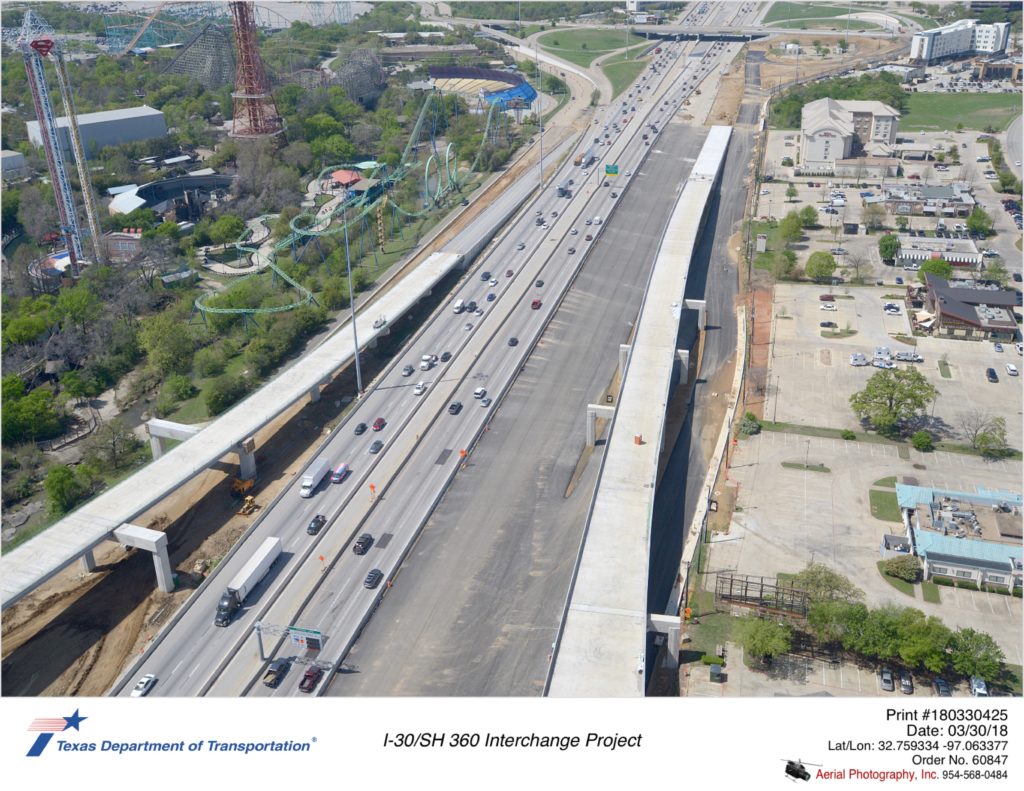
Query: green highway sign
(611, 170)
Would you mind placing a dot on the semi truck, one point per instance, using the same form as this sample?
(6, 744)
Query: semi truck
(245, 580)
(312, 477)
(584, 159)
(565, 189)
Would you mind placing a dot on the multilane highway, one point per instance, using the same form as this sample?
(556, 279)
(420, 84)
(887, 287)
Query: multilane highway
(192, 661)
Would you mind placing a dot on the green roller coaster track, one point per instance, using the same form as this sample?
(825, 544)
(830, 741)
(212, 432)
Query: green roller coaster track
(308, 224)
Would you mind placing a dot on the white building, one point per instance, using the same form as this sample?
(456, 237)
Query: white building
(833, 130)
(107, 128)
(959, 39)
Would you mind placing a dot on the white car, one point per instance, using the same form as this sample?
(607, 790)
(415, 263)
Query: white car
(420, 388)
(573, 232)
(480, 392)
(144, 685)
(766, 192)
(829, 306)
(1011, 369)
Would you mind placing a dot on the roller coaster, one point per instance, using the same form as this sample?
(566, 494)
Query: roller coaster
(362, 208)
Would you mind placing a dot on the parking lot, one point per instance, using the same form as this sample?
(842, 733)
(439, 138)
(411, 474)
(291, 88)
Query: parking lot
(810, 379)
(787, 518)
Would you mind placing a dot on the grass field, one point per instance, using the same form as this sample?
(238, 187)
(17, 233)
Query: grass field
(934, 111)
(901, 585)
(787, 12)
(930, 592)
(884, 506)
(582, 46)
(622, 73)
(839, 25)
(886, 483)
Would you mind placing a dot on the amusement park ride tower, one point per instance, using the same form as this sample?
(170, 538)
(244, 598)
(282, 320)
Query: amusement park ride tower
(36, 40)
(255, 113)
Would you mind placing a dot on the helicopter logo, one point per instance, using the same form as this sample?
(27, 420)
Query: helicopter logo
(796, 770)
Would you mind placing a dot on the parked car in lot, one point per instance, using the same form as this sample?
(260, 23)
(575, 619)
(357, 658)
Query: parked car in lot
(886, 677)
(1011, 369)
(828, 306)
(828, 324)
(978, 687)
(942, 688)
(991, 375)
(906, 682)
(997, 347)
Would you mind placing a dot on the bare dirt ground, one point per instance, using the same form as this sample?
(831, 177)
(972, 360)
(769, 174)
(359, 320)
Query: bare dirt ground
(757, 372)
(730, 94)
(783, 69)
(76, 634)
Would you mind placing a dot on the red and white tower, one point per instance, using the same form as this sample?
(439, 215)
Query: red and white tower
(255, 114)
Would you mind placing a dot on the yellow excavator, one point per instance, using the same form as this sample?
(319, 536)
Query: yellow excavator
(249, 505)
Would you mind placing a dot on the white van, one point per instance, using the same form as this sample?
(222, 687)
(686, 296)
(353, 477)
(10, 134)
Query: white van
(597, 220)
(458, 306)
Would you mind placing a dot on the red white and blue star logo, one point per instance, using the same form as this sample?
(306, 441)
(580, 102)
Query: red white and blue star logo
(50, 726)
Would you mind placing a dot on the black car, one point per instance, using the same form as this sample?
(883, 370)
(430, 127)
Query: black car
(828, 324)
(363, 543)
(906, 683)
(446, 356)
(376, 446)
(1016, 277)
(572, 251)
(485, 275)
(991, 375)
(316, 523)
(539, 284)
(373, 579)
(470, 306)
(455, 408)
(360, 428)
(942, 688)
(513, 341)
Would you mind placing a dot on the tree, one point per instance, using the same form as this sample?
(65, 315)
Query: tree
(808, 217)
(922, 441)
(889, 247)
(997, 272)
(791, 192)
(975, 423)
(227, 228)
(902, 222)
(992, 440)
(790, 228)
(830, 619)
(78, 306)
(113, 441)
(874, 216)
(168, 343)
(979, 222)
(762, 638)
(223, 392)
(62, 489)
(821, 583)
(975, 654)
(36, 215)
(892, 397)
(924, 640)
(855, 262)
(935, 266)
(820, 265)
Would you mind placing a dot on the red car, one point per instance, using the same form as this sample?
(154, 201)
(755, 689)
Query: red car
(535, 305)
(379, 423)
(310, 679)
(509, 273)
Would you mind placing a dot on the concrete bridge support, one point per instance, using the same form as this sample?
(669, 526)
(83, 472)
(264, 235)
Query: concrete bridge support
(623, 357)
(87, 561)
(247, 456)
(701, 306)
(683, 355)
(594, 411)
(160, 430)
(670, 626)
(152, 541)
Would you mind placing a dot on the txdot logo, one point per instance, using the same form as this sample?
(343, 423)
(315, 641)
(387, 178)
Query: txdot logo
(50, 726)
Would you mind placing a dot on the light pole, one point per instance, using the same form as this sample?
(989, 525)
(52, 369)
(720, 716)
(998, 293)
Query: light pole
(352, 304)
(540, 111)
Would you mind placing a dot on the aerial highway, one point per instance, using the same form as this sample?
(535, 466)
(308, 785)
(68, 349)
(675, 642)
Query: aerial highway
(421, 441)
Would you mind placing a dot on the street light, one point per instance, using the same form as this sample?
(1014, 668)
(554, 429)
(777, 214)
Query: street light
(352, 304)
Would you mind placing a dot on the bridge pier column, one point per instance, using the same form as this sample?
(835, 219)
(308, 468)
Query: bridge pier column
(152, 541)
(314, 394)
(87, 561)
(623, 356)
(670, 626)
(683, 355)
(247, 457)
(161, 430)
(594, 411)
(701, 306)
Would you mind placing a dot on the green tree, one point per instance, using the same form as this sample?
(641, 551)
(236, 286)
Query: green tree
(62, 489)
(997, 272)
(227, 228)
(902, 222)
(808, 217)
(889, 247)
(179, 387)
(168, 343)
(113, 441)
(879, 633)
(762, 638)
(223, 392)
(820, 265)
(791, 192)
(979, 222)
(892, 397)
(790, 228)
(78, 306)
(831, 619)
(874, 216)
(975, 654)
(935, 266)
(923, 640)
(821, 583)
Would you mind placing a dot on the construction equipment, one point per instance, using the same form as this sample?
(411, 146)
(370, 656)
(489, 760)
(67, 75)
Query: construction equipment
(242, 487)
(249, 505)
